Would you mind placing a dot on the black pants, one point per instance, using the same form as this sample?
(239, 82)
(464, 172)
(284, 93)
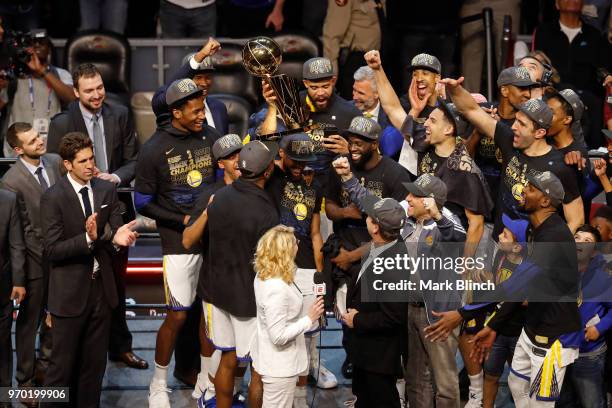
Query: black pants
(120, 336)
(375, 390)
(30, 319)
(243, 22)
(6, 321)
(353, 61)
(78, 355)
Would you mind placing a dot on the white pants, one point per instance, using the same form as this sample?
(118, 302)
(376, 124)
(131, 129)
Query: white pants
(525, 367)
(278, 391)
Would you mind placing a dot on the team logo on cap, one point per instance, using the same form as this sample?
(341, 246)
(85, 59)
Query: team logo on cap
(300, 211)
(186, 85)
(424, 180)
(568, 94)
(532, 105)
(522, 73)
(361, 124)
(320, 66)
(423, 59)
(194, 178)
(301, 147)
(228, 141)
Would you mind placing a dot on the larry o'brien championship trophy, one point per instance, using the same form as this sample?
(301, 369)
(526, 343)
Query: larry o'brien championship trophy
(261, 57)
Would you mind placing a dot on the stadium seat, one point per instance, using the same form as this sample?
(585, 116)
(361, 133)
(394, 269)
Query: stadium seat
(297, 49)
(230, 77)
(144, 118)
(238, 111)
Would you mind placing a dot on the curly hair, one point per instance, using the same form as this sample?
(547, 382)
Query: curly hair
(274, 256)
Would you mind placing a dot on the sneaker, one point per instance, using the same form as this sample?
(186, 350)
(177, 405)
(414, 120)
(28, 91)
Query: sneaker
(159, 395)
(325, 379)
(207, 403)
(200, 386)
(475, 401)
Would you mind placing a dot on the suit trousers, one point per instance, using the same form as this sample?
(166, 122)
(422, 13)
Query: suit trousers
(120, 337)
(31, 314)
(6, 321)
(278, 392)
(375, 390)
(430, 363)
(80, 345)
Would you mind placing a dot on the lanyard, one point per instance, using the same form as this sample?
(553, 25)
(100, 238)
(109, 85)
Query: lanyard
(31, 89)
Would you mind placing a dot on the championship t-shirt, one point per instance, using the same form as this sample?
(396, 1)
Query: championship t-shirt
(465, 184)
(384, 180)
(516, 166)
(297, 202)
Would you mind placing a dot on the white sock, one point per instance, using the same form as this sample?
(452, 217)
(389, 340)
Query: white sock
(237, 384)
(400, 384)
(204, 364)
(215, 359)
(161, 373)
(476, 385)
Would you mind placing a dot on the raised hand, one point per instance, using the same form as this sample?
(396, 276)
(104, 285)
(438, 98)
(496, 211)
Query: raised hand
(268, 93)
(373, 59)
(432, 208)
(125, 236)
(336, 144)
(342, 167)
(91, 226)
(316, 309)
(600, 167)
(452, 83)
(417, 104)
(211, 47)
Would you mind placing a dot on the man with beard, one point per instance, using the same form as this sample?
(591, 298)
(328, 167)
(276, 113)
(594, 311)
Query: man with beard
(29, 177)
(524, 149)
(514, 86)
(365, 98)
(440, 155)
(552, 332)
(380, 175)
(115, 146)
(298, 205)
(174, 168)
(226, 151)
(40, 94)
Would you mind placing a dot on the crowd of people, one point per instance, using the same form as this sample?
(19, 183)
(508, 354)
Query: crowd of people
(253, 226)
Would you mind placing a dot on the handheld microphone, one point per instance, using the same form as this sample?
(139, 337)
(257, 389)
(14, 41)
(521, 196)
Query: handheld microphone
(319, 289)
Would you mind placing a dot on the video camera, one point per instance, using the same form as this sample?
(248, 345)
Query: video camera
(15, 53)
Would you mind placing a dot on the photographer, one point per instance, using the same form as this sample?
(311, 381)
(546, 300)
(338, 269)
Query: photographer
(39, 89)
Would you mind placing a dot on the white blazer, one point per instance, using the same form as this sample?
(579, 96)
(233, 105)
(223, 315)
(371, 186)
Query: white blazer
(278, 348)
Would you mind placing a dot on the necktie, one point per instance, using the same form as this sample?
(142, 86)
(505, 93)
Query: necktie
(368, 115)
(41, 179)
(98, 140)
(86, 203)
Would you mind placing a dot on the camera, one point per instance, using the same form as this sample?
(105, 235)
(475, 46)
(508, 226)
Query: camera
(16, 52)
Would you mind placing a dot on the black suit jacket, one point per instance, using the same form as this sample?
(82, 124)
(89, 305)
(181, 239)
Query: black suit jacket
(121, 142)
(19, 180)
(378, 338)
(12, 247)
(71, 260)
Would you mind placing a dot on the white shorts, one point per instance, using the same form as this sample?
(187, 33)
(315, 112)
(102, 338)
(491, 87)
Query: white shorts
(228, 332)
(181, 273)
(304, 281)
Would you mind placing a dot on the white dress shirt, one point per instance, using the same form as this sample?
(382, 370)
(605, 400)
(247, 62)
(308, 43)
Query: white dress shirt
(209, 117)
(77, 189)
(32, 169)
(373, 114)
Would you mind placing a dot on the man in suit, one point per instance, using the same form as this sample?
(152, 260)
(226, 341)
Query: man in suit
(365, 98)
(115, 148)
(377, 328)
(197, 66)
(31, 175)
(12, 280)
(82, 230)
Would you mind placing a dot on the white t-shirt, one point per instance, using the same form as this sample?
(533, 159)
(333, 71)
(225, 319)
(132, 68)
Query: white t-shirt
(571, 33)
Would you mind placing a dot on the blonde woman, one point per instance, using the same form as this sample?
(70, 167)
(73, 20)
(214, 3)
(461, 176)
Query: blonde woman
(279, 350)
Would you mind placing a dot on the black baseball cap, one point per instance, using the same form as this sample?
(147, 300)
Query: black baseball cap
(317, 68)
(255, 157)
(572, 98)
(180, 91)
(549, 184)
(450, 110)
(364, 128)
(538, 111)
(426, 61)
(298, 147)
(226, 145)
(386, 212)
(517, 76)
(428, 185)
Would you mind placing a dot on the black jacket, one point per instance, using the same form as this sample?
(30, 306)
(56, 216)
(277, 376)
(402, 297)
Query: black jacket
(71, 260)
(238, 216)
(378, 338)
(12, 247)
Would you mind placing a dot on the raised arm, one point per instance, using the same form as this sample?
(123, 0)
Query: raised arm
(388, 99)
(464, 102)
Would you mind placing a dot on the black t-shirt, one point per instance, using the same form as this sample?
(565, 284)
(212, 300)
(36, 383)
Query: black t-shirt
(465, 184)
(338, 114)
(297, 202)
(516, 165)
(384, 180)
(172, 171)
(580, 175)
(196, 211)
(503, 270)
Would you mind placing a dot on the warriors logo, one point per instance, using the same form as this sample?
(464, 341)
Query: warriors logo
(194, 178)
(300, 211)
